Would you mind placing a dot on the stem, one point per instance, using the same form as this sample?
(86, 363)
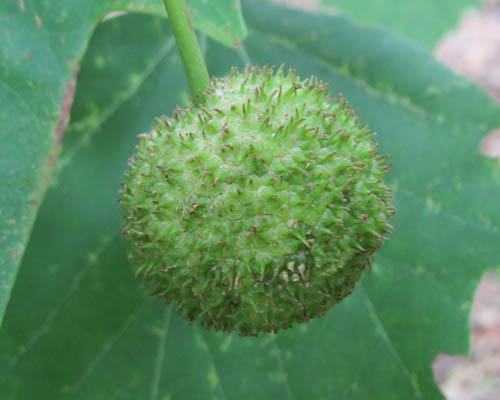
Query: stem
(194, 64)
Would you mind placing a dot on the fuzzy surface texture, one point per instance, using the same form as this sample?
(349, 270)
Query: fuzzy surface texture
(258, 209)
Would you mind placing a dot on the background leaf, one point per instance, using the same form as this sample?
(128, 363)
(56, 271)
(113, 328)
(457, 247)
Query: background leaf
(79, 326)
(424, 21)
(41, 46)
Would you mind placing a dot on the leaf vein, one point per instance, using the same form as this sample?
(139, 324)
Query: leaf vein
(106, 347)
(155, 386)
(366, 85)
(90, 128)
(58, 307)
(281, 364)
(386, 339)
(213, 363)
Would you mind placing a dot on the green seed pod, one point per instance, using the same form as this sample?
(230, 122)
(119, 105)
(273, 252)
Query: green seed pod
(259, 208)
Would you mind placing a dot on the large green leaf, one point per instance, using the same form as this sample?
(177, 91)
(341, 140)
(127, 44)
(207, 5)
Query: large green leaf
(424, 21)
(79, 326)
(41, 44)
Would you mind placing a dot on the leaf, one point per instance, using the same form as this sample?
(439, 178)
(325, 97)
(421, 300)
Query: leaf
(220, 19)
(42, 43)
(424, 21)
(79, 326)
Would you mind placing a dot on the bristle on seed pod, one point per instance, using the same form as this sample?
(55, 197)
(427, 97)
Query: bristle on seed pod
(259, 209)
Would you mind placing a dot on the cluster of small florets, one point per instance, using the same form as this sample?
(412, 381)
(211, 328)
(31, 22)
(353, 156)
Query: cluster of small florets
(259, 208)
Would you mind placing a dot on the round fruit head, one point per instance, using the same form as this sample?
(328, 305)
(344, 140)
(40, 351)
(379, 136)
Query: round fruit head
(259, 208)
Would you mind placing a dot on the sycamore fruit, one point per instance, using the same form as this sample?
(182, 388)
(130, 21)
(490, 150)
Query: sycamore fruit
(259, 208)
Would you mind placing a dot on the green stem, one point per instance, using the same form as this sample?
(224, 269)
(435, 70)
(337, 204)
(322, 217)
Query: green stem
(194, 64)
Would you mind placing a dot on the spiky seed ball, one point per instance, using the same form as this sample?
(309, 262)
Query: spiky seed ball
(258, 209)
